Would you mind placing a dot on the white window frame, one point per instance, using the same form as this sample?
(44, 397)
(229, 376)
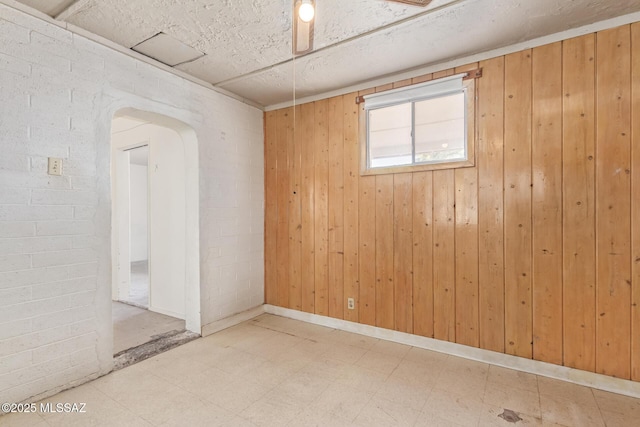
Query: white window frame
(464, 82)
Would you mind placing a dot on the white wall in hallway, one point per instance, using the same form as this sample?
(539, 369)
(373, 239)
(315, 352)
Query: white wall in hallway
(165, 191)
(59, 92)
(167, 223)
(139, 212)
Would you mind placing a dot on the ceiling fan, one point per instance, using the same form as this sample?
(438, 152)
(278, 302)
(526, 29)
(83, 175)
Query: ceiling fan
(304, 14)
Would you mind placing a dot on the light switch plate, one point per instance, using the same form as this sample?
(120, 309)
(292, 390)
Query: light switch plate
(55, 166)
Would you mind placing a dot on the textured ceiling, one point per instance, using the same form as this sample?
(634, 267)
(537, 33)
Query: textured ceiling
(247, 43)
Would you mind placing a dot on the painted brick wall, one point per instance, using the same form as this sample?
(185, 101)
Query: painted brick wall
(58, 92)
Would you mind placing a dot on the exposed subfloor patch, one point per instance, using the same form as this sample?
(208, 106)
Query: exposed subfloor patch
(510, 416)
(159, 344)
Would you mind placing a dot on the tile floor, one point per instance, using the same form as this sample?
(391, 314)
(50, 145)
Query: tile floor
(133, 326)
(273, 371)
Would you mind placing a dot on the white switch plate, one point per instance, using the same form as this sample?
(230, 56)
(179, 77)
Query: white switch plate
(351, 304)
(55, 166)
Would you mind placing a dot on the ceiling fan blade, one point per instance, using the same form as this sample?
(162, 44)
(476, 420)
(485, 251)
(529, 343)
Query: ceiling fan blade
(414, 2)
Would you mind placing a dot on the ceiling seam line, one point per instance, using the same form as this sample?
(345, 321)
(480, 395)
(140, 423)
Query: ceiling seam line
(341, 42)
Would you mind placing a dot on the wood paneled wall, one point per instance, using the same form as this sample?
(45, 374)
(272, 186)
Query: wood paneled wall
(533, 252)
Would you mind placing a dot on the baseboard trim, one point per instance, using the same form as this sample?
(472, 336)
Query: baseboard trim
(227, 322)
(576, 376)
(162, 311)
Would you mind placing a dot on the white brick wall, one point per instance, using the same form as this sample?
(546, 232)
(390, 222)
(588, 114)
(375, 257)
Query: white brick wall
(58, 93)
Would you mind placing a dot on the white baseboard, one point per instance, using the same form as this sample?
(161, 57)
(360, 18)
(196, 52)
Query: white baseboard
(227, 322)
(576, 376)
(165, 312)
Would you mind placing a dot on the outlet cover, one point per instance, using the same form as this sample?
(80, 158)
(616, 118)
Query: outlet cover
(351, 304)
(55, 166)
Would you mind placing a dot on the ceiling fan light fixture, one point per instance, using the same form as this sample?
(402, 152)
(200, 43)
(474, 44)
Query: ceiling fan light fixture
(303, 20)
(306, 11)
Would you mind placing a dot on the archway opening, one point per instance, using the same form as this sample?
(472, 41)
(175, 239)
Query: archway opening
(155, 228)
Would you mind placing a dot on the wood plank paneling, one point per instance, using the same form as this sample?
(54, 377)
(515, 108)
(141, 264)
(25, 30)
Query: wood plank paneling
(466, 249)
(422, 246)
(635, 202)
(366, 236)
(423, 254)
(517, 204)
(546, 163)
(321, 207)
(530, 252)
(384, 252)
(403, 251)
(613, 208)
(490, 201)
(466, 256)
(444, 255)
(271, 208)
(295, 214)
(578, 212)
(351, 199)
(422, 79)
(441, 74)
(307, 198)
(384, 245)
(284, 132)
(336, 207)
(402, 245)
(444, 314)
(367, 250)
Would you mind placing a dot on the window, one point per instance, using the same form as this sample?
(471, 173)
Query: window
(421, 127)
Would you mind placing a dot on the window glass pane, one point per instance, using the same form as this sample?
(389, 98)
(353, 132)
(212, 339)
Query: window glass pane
(390, 136)
(440, 129)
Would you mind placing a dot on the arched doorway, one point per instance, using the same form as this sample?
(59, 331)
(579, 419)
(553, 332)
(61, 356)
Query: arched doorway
(169, 149)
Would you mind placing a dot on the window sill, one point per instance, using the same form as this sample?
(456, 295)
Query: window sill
(418, 168)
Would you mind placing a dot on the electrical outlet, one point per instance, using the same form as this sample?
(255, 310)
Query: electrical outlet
(351, 304)
(55, 166)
